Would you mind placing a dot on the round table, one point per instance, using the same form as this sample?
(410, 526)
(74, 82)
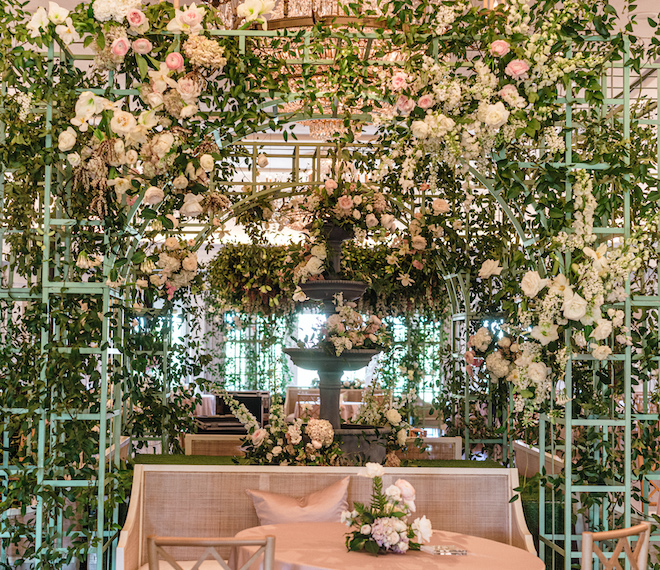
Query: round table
(321, 546)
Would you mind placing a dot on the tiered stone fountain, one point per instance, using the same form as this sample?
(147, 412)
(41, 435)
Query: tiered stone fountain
(364, 444)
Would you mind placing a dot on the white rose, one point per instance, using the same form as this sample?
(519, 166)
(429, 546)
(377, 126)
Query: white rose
(388, 222)
(154, 99)
(600, 352)
(207, 162)
(532, 284)
(314, 266)
(602, 330)
(371, 220)
(162, 144)
(190, 262)
(153, 195)
(67, 139)
(490, 267)
(122, 122)
(420, 129)
(180, 182)
(319, 251)
(574, 307)
(373, 470)
(493, 115)
(131, 156)
(393, 416)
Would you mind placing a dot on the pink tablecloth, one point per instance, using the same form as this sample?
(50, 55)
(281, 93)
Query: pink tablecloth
(321, 546)
(347, 410)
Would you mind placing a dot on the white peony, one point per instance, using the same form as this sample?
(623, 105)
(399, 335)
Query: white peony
(122, 122)
(532, 284)
(537, 372)
(490, 267)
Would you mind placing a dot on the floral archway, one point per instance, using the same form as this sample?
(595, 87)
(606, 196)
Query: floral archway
(515, 94)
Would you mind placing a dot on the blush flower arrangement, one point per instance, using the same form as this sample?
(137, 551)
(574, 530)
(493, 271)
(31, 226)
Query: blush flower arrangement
(382, 527)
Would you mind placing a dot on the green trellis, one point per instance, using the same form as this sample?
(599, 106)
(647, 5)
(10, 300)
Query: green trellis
(46, 427)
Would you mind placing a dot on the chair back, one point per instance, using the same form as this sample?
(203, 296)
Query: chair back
(156, 552)
(638, 557)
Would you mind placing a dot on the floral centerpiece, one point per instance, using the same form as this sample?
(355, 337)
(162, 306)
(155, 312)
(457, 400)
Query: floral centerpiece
(283, 443)
(347, 329)
(382, 526)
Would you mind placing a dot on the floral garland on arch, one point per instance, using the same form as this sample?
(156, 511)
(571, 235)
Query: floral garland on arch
(532, 354)
(509, 95)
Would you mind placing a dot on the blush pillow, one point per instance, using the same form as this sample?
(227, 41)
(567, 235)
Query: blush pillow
(325, 505)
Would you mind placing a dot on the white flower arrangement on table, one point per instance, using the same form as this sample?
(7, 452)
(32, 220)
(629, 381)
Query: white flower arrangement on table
(283, 443)
(382, 526)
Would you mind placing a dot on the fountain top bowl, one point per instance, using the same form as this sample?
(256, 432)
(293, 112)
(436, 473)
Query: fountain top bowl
(319, 359)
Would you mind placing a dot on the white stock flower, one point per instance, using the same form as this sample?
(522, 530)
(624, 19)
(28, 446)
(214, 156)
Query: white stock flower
(532, 284)
(490, 267)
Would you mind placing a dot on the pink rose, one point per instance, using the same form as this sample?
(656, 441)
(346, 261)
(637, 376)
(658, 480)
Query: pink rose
(517, 68)
(136, 18)
(418, 243)
(508, 92)
(192, 18)
(258, 437)
(405, 104)
(440, 206)
(174, 61)
(345, 202)
(142, 46)
(120, 47)
(418, 264)
(425, 101)
(330, 185)
(499, 48)
(399, 81)
(469, 357)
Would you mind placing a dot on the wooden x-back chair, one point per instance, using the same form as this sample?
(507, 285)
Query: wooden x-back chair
(156, 551)
(638, 557)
